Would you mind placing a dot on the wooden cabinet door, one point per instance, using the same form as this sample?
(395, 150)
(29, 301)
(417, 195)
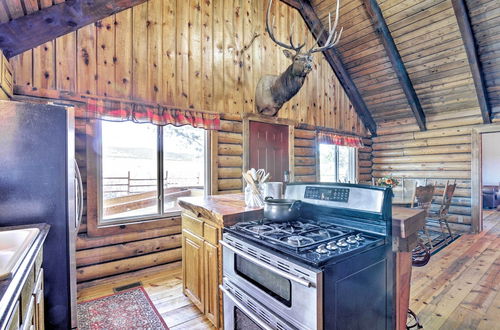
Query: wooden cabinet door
(269, 148)
(192, 269)
(211, 263)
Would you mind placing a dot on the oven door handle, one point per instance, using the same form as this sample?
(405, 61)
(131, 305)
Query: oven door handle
(245, 310)
(265, 265)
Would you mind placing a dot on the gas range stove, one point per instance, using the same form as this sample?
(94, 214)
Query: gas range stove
(313, 272)
(310, 241)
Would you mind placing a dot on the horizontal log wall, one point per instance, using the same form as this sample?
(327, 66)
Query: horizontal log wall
(440, 154)
(189, 54)
(305, 149)
(365, 162)
(229, 155)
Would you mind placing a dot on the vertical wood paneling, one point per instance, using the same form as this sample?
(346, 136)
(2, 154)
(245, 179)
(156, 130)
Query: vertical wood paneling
(207, 54)
(219, 50)
(123, 53)
(140, 51)
(182, 89)
(44, 66)
(194, 54)
(247, 57)
(106, 56)
(66, 66)
(228, 80)
(23, 75)
(86, 72)
(154, 32)
(169, 51)
(190, 54)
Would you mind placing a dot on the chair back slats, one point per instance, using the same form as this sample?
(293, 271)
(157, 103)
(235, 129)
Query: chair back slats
(424, 196)
(449, 190)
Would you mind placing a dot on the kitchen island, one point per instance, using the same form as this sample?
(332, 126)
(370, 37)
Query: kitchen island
(203, 219)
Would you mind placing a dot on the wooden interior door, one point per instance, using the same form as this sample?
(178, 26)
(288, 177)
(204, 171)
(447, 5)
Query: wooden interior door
(268, 144)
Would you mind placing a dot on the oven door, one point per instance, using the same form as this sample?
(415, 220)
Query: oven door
(242, 312)
(288, 289)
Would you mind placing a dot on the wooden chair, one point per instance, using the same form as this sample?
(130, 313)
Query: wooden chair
(442, 214)
(423, 196)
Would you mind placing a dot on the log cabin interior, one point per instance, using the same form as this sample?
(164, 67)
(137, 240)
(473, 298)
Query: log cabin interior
(249, 164)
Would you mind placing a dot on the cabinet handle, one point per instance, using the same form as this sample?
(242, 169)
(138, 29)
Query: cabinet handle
(277, 271)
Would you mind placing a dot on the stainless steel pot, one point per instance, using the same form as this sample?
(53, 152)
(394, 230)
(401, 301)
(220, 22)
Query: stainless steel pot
(281, 209)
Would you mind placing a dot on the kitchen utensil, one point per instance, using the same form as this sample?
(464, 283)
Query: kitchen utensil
(281, 209)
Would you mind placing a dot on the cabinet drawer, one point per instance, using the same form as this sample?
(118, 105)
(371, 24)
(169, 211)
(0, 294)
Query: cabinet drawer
(192, 224)
(27, 295)
(211, 234)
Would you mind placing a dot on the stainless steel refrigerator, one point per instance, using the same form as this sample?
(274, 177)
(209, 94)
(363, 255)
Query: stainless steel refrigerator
(37, 184)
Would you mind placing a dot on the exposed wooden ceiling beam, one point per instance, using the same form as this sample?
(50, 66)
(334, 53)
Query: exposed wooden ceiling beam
(378, 21)
(463, 20)
(47, 24)
(333, 58)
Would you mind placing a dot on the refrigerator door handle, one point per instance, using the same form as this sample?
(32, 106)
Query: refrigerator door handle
(79, 203)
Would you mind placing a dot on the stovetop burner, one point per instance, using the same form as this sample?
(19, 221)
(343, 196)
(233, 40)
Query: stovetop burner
(309, 240)
(294, 234)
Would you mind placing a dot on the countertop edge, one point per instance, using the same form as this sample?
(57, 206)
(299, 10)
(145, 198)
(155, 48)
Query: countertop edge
(14, 284)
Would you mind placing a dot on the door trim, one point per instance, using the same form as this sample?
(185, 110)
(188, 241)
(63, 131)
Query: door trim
(477, 174)
(269, 120)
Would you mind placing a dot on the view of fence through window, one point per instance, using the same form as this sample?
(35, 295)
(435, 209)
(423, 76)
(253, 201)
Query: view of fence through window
(337, 163)
(130, 176)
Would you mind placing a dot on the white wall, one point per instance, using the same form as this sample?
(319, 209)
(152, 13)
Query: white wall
(491, 158)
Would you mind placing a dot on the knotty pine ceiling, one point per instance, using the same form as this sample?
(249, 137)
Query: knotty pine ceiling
(12, 9)
(428, 39)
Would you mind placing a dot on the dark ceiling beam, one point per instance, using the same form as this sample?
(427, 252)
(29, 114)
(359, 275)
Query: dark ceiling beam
(463, 20)
(378, 21)
(47, 24)
(333, 58)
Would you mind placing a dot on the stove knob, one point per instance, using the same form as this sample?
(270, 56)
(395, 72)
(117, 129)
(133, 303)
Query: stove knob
(332, 246)
(359, 238)
(321, 249)
(352, 239)
(342, 243)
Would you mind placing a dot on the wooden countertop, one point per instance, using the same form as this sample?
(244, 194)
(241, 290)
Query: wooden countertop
(406, 221)
(222, 209)
(228, 209)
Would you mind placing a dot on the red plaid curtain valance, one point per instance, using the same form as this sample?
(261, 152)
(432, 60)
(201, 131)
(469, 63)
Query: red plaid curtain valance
(114, 110)
(340, 140)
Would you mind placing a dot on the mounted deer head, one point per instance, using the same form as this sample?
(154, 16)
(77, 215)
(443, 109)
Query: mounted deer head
(274, 90)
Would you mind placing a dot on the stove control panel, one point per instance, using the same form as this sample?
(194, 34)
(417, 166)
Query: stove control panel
(333, 194)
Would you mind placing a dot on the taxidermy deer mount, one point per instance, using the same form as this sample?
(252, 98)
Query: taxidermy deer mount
(274, 90)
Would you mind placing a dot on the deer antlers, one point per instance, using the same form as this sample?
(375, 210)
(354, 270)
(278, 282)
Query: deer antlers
(332, 40)
(269, 30)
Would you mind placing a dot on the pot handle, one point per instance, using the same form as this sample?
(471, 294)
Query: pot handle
(295, 204)
(268, 198)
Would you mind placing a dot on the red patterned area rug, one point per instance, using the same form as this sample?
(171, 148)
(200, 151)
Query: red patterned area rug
(131, 309)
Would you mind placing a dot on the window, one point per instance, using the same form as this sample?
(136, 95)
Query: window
(337, 163)
(144, 169)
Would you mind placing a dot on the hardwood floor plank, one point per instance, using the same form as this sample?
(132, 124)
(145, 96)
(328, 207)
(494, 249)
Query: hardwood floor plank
(459, 288)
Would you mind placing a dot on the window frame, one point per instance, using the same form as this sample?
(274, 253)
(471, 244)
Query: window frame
(353, 160)
(95, 224)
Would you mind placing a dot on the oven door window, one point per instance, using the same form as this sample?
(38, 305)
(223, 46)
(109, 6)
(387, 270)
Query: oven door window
(243, 322)
(276, 286)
